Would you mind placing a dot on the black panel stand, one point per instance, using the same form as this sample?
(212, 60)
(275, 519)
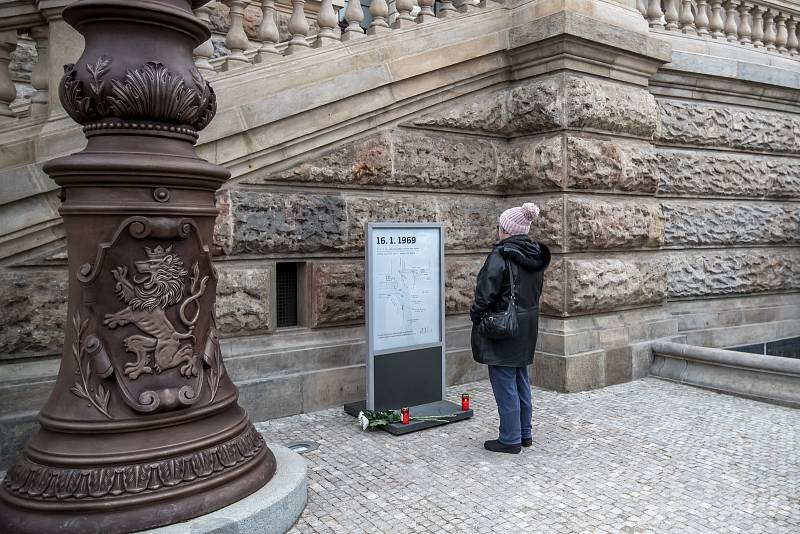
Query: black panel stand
(438, 408)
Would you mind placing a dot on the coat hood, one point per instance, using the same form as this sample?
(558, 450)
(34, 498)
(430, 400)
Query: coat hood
(525, 252)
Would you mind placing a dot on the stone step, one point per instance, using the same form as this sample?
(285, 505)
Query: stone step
(748, 334)
(24, 396)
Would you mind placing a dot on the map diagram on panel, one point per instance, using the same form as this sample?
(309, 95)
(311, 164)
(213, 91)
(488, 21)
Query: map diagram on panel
(406, 287)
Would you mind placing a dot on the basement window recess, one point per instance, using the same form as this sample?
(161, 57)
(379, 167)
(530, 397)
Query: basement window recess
(286, 294)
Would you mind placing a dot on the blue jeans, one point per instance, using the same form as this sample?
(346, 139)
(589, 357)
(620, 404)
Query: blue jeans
(512, 392)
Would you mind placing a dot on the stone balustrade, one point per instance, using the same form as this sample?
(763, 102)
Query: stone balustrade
(325, 26)
(291, 28)
(24, 72)
(763, 25)
(309, 27)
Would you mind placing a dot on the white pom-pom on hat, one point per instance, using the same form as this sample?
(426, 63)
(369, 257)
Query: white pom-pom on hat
(530, 210)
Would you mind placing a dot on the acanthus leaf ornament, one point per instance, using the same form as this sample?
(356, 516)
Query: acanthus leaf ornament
(96, 83)
(150, 93)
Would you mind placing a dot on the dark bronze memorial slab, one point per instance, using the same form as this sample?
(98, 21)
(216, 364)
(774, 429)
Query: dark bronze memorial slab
(408, 378)
(449, 410)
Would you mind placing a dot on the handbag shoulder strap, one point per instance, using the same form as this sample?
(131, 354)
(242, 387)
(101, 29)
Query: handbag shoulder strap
(511, 279)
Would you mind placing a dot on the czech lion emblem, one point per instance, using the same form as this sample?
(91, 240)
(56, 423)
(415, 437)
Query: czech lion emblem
(159, 284)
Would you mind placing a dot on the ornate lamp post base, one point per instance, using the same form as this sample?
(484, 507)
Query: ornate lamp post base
(143, 427)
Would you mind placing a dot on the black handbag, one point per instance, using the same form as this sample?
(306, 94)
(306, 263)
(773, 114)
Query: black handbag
(501, 325)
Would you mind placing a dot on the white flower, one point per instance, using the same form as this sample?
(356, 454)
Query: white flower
(363, 421)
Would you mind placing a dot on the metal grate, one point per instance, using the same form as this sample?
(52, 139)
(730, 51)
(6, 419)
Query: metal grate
(286, 297)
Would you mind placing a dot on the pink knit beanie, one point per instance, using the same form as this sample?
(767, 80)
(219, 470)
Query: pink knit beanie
(517, 221)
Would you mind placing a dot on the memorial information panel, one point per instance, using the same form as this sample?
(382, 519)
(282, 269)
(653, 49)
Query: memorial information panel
(406, 295)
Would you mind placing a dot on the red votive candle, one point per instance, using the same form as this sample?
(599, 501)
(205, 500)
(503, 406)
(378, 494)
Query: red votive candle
(464, 402)
(404, 416)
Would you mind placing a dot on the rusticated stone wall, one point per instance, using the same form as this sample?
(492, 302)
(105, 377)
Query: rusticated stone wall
(729, 181)
(578, 286)
(553, 102)
(243, 300)
(643, 201)
(337, 293)
(417, 159)
(722, 223)
(35, 307)
(322, 222)
(717, 273)
(700, 172)
(33, 313)
(701, 124)
(579, 146)
(594, 172)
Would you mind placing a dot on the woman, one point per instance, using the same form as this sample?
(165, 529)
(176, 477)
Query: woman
(508, 358)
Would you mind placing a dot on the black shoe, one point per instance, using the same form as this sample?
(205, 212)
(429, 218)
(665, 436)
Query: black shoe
(495, 446)
(527, 442)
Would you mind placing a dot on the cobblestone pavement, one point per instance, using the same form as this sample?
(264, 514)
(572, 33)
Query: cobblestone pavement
(648, 456)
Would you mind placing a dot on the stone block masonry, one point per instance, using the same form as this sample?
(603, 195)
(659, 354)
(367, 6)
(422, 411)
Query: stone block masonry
(703, 124)
(33, 313)
(671, 212)
(696, 172)
(550, 103)
(579, 145)
(422, 160)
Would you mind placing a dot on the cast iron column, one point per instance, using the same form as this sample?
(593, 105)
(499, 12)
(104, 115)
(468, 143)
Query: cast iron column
(143, 427)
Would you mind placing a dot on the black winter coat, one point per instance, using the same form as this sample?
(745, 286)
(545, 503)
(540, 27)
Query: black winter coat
(529, 260)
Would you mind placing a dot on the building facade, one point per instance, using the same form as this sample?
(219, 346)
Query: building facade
(660, 138)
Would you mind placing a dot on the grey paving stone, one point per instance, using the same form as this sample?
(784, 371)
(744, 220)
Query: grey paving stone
(646, 456)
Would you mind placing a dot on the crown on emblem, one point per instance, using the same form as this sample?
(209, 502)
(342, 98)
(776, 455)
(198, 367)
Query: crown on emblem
(158, 252)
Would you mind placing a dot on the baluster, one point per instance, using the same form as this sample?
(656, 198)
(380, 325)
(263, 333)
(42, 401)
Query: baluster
(465, 6)
(298, 28)
(329, 33)
(404, 17)
(671, 14)
(379, 10)
(716, 24)
(686, 18)
(793, 44)
(40, 77)
(426, 10)
(204, 52)
(8, 92)
(447, 9)
(745, 30)
(758, 26)
(731, 31)
(641, 5)
(782, 36)
(236, 40)
(268, 33)
(354, 16)
(701, 19)
(654, 14)
(769, 29)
